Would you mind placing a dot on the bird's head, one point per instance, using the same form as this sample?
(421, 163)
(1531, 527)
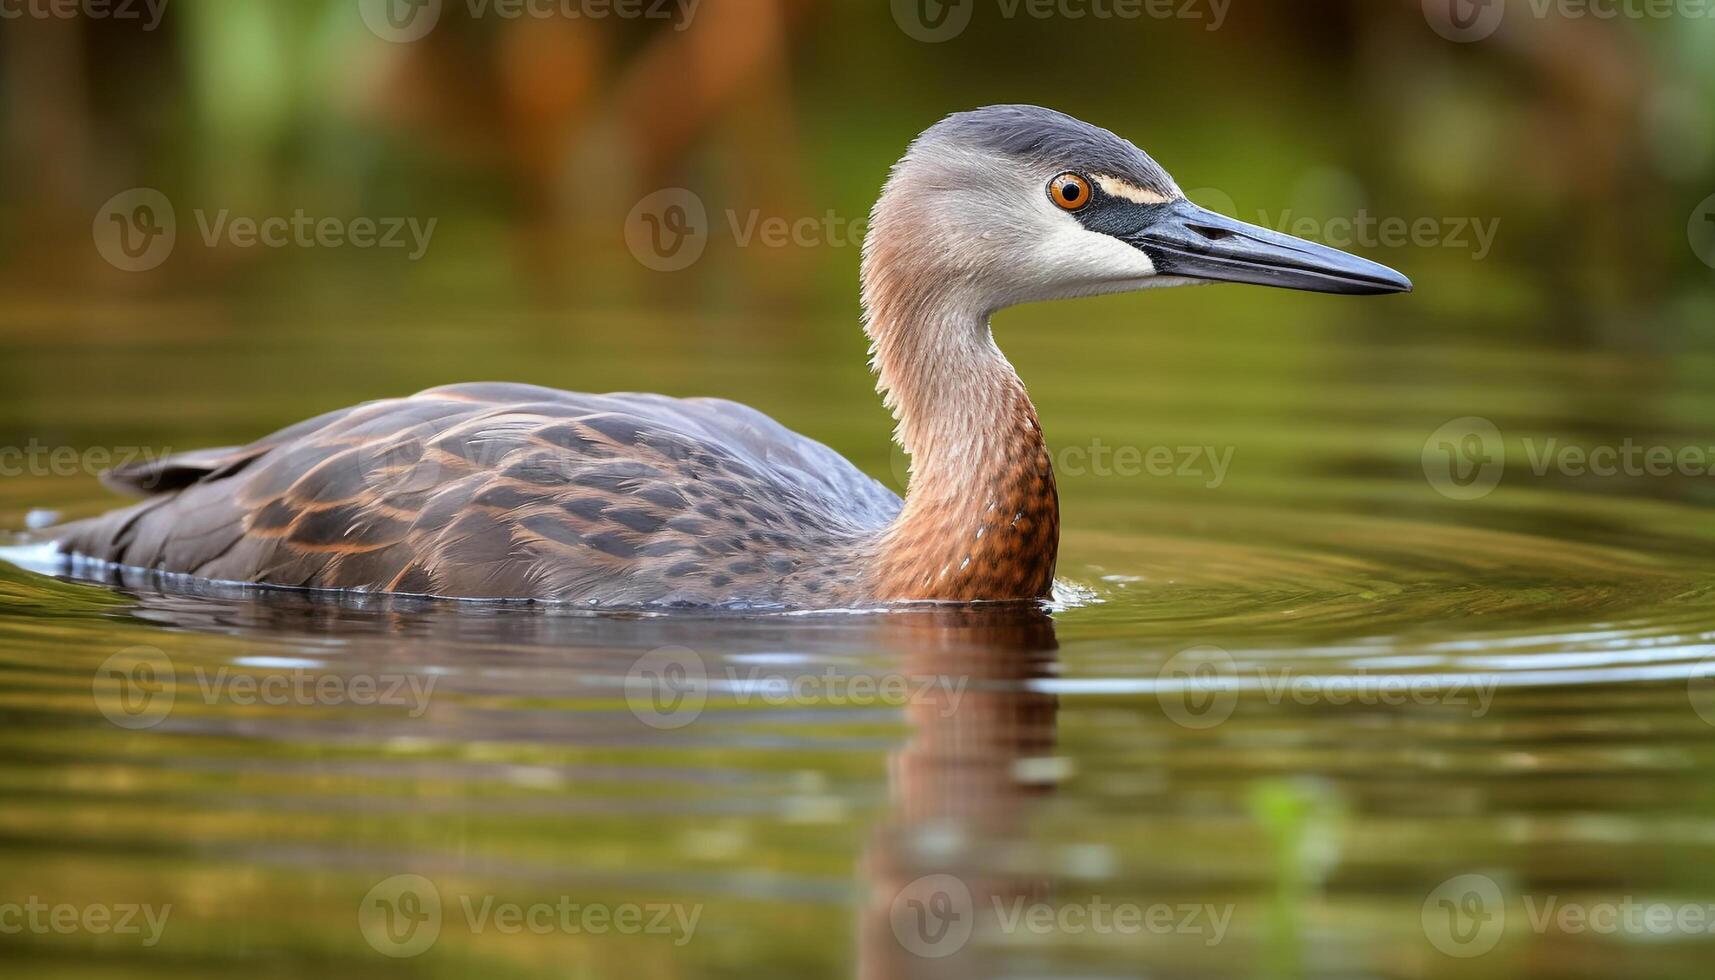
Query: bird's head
(1013, 204)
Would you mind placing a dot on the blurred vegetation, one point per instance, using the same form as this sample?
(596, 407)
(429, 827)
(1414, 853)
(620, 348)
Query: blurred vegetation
(1590, 141)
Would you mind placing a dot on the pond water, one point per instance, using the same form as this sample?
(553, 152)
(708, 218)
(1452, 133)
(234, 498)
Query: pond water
(1343, 682)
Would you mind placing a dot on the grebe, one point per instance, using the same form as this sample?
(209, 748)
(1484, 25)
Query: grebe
(510, 491)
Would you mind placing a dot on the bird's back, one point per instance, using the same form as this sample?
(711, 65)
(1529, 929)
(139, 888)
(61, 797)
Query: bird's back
(511, 491)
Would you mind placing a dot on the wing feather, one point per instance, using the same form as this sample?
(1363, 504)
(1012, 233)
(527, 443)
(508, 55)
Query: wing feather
(498, 490)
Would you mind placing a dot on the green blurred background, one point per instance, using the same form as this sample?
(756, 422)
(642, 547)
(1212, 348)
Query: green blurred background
(1584, 145)
(529, 139)
(1587, 145)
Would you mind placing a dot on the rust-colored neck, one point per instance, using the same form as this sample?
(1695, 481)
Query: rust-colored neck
(982, 516)
(978, 524)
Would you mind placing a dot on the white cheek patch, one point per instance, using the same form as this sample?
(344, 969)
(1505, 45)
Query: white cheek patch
(1071, 260)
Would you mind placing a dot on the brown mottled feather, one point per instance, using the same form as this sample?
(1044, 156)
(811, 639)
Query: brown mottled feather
(513, 491)
(994, 534)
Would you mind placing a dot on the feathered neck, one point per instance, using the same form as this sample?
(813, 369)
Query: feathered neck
(981, 515)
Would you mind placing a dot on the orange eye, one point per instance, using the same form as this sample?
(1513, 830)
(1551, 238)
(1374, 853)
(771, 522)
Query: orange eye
(1070, 191)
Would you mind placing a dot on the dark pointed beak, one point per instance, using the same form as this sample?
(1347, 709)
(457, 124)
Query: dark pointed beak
(1201, 244)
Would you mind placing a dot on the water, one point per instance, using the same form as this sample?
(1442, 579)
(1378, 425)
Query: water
(1280, 718)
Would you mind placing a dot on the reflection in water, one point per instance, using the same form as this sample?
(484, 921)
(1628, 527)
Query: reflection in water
(823, 837)
(959, 789)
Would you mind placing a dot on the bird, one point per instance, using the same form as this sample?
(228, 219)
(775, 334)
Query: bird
(506, 491)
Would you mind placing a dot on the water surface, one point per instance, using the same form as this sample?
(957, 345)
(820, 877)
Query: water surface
(1287, 702)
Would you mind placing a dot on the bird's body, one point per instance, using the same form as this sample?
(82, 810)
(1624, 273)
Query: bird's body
(512, 491)
(519, 492)
(515, 491)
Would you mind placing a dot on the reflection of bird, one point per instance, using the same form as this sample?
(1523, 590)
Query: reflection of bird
(502, 490)
(960, 790)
